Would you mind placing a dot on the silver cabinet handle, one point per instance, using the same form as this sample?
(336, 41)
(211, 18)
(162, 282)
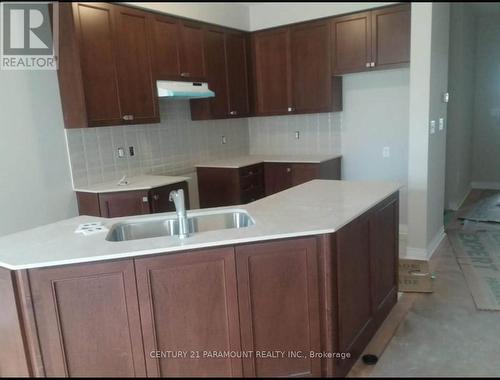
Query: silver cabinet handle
(128, 117)
(368, 64)
(291, 109)
(185, 75)
(372, 64)
(288, 170)
(233, 113)
(156, 197)
(145, 199)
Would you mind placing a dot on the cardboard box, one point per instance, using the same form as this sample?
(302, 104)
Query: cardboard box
(414, 276)
(416, 282)
(413, 266)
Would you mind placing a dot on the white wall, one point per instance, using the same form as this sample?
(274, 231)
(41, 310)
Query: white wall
(232, 15)
(486, 134)
(375, 115)
(462, 74)
(35, 183)
(438, 109)
(426, 161)
(267, 15)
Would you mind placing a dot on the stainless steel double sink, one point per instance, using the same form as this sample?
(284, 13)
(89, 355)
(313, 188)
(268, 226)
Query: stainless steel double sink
(158, 226)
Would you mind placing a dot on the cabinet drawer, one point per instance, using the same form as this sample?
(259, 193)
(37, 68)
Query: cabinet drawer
(252, 193)
(249, 171)
(251, 177)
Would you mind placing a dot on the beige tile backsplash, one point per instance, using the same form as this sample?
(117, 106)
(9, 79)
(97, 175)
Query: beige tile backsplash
(176, 144)
(171, 147)
(318, 134)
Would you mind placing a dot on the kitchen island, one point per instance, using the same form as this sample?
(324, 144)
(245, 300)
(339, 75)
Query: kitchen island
(314, 276)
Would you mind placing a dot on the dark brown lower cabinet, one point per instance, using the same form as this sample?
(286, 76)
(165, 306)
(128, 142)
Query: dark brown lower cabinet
(188, 303)
(129, 203)
(87, 318)
(279, 306)
(176, 314)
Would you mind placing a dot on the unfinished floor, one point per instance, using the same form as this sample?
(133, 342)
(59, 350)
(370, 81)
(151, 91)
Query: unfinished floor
(442, 334)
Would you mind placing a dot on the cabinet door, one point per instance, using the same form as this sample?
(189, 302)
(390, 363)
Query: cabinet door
(216, 73)
(165, 47)
(302, 173)
(355, 313)
(311, 67)
(135, 77)
(278, 295)
(384, 252)
(272, 72)
(277, 177)
(125, 203)
(192, 56)
(160, 197)
(97, 47)
(88, 320)
(391, 36)
(351, 38)
(188, 302)
(237, 74)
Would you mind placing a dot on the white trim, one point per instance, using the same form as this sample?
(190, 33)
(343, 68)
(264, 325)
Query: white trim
(426, 254)
(403, 229)
(435, 242)
(486, 185)
(456, 206)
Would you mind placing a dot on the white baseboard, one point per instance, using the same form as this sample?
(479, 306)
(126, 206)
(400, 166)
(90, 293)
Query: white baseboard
(426, 254)
(486, 185)
(456, 206)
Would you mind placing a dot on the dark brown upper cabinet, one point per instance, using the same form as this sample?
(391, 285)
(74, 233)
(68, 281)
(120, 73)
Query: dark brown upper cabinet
(105, 75)
(313, 86)
(227, 76)
(292, 72)
(237, 74)
(165, 47)
(391, 28)
(178, 48)
(192, 59)
(135, 76)
(272, 72)
(371, 40)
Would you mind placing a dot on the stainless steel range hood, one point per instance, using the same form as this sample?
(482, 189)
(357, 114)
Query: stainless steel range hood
(183, 90)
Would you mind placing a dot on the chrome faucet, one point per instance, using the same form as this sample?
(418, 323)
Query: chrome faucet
(177, 196)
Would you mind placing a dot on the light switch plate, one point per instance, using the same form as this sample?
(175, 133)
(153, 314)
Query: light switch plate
(441, 123)
(297, 135)
(121, 153)
(433, 127)
(223, 140)
(386, 152)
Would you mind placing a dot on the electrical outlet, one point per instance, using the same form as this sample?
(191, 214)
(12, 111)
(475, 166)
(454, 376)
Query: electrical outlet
(386, 152)
(297, 135)
(223, 140)
(441, 123)
(121, 152)
(131, 151)
(433, 127)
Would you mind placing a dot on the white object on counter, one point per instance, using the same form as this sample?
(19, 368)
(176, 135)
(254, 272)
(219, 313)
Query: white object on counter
(316, 207)
(92, 228)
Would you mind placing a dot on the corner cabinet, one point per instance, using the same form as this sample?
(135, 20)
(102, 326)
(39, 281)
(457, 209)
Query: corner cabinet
(105, 72)
(129, 203)
(377, 39)
(292, 72)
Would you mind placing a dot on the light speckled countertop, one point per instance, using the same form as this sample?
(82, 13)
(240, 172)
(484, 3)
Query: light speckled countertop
(242, 161)
(142, 182)
(316, 207)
